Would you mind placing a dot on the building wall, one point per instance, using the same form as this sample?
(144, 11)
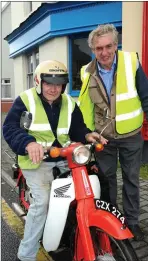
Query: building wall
(7, 70)
(20, 74)
(21, 10)
(17, 13)
(35, 5)
(54, 49)
(132, 17)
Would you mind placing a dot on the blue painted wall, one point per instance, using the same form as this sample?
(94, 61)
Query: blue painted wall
(62, 19)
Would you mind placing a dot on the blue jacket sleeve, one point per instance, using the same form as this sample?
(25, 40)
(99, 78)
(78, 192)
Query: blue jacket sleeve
(78, 129)
(142, 88)
(16, 137)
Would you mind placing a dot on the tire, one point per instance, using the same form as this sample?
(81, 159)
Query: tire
(121, 250)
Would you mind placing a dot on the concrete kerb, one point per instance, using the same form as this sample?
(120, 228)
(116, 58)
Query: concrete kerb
(9, 180)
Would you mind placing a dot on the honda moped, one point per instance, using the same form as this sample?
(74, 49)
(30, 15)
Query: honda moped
(92, 229)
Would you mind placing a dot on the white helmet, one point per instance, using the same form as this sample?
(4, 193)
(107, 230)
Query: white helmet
(50, 71)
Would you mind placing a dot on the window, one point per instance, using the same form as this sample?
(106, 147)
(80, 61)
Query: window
(32, 62)
(80, 54)
(6, 89)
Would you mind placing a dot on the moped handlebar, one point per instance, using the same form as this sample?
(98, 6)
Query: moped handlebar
(55, 152)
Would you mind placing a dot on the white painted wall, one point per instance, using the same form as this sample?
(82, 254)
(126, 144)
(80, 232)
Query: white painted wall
(54, 49)
(20, 74)
(7, 70)
(35, 5)
(20, 11)
(17, 14)
(132, 16)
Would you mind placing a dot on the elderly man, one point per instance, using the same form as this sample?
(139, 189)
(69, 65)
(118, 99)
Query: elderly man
(56, 120)
(115, 93)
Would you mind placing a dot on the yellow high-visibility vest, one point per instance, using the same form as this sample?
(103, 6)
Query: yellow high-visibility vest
(40, 127)
(84, 102)
(129, 114)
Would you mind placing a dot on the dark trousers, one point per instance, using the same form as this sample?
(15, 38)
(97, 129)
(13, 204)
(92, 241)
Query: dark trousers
(129, 151)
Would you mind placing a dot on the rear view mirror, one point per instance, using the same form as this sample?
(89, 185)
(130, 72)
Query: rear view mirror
(26, 119)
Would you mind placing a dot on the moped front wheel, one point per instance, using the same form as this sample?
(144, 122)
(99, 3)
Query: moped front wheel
(107, 248)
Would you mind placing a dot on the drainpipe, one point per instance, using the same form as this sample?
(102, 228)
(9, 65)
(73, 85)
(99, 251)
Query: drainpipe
(145, 67)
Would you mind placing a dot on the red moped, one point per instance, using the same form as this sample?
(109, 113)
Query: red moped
(92, 229)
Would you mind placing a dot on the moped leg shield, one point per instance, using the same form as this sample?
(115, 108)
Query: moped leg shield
(62, 194)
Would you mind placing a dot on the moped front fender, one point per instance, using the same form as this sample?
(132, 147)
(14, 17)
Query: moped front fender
(109, 224)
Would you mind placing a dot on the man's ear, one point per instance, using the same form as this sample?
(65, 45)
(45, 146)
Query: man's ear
(116, 47)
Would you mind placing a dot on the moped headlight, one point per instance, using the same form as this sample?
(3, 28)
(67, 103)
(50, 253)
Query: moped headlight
(81, 155)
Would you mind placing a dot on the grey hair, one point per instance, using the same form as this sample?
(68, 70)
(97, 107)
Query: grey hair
(101, 30)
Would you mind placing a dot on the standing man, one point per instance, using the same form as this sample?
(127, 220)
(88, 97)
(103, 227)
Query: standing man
(56, 120)
(115, 92)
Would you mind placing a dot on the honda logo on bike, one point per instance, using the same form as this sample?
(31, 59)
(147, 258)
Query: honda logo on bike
(61, 191)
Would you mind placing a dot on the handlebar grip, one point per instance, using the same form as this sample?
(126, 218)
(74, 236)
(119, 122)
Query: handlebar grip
(55, 152)
(99, 147)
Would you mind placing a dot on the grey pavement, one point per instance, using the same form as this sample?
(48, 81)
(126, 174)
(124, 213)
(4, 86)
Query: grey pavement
(141, 247)
(9, 242)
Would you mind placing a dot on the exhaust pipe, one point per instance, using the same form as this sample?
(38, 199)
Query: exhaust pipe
(19, 211)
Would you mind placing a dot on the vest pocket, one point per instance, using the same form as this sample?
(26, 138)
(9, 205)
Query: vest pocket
(95, 95)
(99, 117)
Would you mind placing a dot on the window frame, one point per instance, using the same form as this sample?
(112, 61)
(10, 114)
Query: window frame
(71, 38)
(6, 84)
(29, 73)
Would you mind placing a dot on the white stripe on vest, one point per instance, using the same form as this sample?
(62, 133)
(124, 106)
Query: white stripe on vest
(69, 110)
(46, 127)
(132, 93)
(129, 115)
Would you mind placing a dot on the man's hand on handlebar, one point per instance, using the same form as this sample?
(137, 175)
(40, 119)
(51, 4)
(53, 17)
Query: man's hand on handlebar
(94, 136)
(35, 152)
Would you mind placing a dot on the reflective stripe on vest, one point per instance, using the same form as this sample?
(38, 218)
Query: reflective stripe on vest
(40, 127)
(46, 127)
(84, 102)
(129, 114)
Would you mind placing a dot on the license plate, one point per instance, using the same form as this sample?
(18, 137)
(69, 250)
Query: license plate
(100, 204)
